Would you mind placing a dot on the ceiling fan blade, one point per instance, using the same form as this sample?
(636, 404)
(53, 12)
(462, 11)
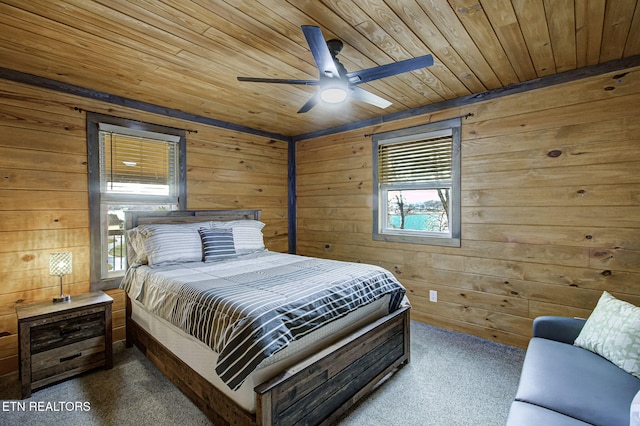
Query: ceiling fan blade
(389, 70)
(320, 51)
(310, 103)
(279, 81)
(370, 98)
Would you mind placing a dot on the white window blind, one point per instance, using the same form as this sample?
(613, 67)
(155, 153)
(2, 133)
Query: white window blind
(423, 160)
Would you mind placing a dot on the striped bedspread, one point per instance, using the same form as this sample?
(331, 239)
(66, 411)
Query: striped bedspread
(250, 307)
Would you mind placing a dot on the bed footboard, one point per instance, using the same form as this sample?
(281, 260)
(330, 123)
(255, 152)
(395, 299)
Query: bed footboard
(316, 391)
(323, 387)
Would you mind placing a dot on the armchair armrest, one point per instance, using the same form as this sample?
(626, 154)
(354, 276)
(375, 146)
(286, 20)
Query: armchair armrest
(561, 329)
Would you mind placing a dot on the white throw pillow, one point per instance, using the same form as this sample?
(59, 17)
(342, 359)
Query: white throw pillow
(613, 332)
(247, 234)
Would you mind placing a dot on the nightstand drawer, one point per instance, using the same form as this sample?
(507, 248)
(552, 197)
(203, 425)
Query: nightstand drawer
(61, 333)
(72, 359)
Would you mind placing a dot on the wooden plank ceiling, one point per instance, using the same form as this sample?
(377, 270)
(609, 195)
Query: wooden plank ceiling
(186, 54)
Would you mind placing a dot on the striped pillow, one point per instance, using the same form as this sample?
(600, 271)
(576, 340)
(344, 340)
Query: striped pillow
(217, 244)
(168, 244)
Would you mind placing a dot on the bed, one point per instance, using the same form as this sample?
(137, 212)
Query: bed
(308, 368)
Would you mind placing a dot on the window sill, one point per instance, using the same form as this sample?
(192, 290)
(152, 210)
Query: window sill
(414, 239)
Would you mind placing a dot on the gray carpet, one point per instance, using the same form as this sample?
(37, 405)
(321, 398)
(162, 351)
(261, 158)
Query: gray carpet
(452, 379)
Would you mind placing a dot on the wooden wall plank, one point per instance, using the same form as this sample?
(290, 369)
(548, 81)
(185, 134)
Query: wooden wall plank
(623, 194)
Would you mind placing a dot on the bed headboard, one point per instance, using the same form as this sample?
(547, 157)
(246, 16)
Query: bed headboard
(135, 218)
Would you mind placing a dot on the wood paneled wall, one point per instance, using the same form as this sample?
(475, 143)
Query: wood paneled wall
(44, 203)
(550, 203)
(550, 208)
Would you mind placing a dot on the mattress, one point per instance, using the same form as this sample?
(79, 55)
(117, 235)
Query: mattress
(202, 359)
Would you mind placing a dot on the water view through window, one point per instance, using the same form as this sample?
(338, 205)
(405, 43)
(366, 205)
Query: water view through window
(418, 210)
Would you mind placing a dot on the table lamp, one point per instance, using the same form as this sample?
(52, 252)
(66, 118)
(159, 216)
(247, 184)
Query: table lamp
(60, 264)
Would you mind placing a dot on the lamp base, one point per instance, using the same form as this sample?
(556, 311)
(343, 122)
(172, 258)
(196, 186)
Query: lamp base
(62, 298)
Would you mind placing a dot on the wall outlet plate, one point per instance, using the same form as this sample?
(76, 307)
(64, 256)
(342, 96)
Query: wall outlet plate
(433, 296)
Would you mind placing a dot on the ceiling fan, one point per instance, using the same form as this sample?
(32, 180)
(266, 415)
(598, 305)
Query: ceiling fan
(335, 84)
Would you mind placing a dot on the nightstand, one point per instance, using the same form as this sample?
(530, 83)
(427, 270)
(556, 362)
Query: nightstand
(60, 340)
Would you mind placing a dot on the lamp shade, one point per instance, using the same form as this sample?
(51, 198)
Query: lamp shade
(60, 263)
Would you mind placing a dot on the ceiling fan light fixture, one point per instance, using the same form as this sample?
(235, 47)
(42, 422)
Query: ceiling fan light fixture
(334, 94)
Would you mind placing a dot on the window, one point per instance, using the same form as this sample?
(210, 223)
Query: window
(416, 177)
(132, 166)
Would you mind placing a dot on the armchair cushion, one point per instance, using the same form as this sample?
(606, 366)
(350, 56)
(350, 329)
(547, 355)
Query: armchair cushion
(576, 382)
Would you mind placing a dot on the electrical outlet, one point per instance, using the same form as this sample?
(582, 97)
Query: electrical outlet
(433, 296)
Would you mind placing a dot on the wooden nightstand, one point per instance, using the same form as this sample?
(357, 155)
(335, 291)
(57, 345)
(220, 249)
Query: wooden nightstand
(60, 340)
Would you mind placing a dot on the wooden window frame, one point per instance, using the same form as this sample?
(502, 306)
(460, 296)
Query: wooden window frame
(93, 156)
(380, 231)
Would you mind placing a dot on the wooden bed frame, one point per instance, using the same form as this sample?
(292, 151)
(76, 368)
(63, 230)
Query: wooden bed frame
(316, 391)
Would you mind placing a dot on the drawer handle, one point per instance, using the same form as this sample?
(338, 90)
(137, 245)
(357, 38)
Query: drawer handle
(69, 330)
(70, 357)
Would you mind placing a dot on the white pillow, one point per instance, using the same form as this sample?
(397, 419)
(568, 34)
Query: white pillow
(155, 228)
(613, 332)
(247, 234)
(172, 243)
